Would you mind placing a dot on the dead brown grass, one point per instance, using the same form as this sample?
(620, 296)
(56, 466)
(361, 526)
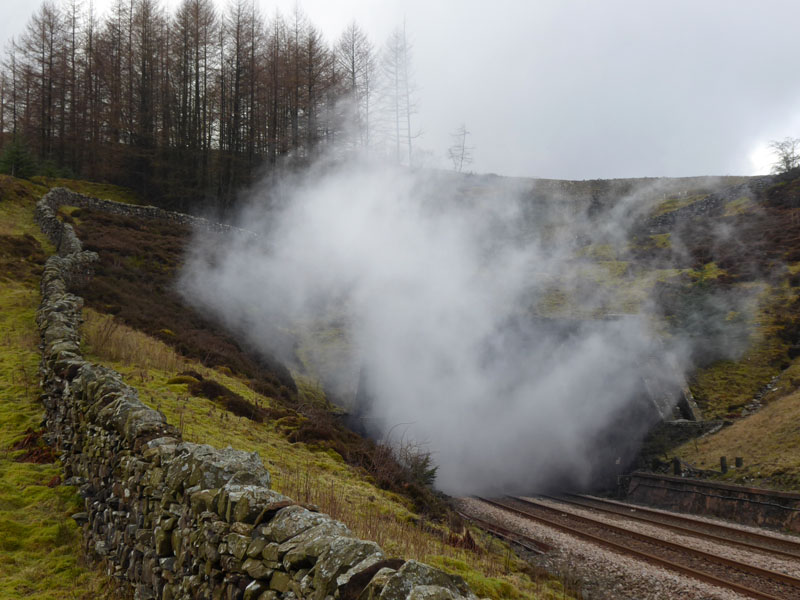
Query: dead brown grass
(135, 280)
(114, 341)
(768, 441)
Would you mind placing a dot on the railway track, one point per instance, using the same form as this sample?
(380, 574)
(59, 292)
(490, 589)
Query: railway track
(686, 525)
(749, 580)
(526, 542)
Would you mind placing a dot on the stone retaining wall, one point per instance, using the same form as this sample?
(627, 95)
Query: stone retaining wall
(748, 506)
(177, 520)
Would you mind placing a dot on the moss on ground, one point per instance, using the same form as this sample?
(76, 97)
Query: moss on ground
(661, 240)
(39, 542)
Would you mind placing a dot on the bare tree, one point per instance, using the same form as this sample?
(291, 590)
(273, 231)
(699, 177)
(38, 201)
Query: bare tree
(42, 49)
(398, 93)
(787, 154)
(183, 106)
(459, 153)
(355, 57)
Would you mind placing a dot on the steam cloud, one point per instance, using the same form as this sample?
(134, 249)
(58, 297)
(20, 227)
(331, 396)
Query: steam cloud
(432, 287)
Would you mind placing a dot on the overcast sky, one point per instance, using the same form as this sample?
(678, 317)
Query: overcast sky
(583, 89)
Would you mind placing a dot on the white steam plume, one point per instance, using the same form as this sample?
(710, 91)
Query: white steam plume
(435, 290)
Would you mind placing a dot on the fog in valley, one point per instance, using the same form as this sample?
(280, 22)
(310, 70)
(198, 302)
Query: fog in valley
(427, 291)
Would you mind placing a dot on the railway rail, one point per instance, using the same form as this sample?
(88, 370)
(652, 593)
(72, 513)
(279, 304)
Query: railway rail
(524, 541)
(743, 578)
(686, 525)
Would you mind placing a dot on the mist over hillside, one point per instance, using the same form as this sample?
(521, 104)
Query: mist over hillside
(502, 325)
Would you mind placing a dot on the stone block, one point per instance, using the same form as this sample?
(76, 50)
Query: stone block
(257, 569)
(280, 582)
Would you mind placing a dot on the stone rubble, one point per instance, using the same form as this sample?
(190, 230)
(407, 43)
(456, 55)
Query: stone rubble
(177, 520)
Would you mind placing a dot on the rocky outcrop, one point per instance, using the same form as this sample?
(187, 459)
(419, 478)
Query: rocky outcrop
(177, 520)
(711, 205)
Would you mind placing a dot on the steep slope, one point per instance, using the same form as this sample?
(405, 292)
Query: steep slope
(713, 262)
(715, 265)
(212, 398)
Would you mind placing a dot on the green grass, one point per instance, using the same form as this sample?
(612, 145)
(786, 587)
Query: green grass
(723, 388)
(508, 586)
(18, 198)
(39, 542)
(710, 271)
(307, 472)
(675, 202)
(738, 206)
(661, 240)
(598, 252)
(768, 441)
(105, 191)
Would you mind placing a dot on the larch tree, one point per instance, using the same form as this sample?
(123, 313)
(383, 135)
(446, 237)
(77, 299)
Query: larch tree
(355, 58)
(397, 95)
(41, 46)
(192, 105)
(459, 153)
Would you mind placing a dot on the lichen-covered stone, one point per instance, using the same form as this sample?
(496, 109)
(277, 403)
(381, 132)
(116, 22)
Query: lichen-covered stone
(304, 549)
(361, 573)
(256, 547)
(291, 521)
(342, 554)
(270, 551)
(280, 581)
(414, 574)
(163, 542)
(253, 503)
(202, 500)
(257, 569)
(432, 592)
(374, 588)
(237, 544)
(213, 468)
(254, 590)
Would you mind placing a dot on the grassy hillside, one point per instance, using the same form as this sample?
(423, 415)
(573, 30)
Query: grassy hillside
(723, 274)
(307, 472)
(727, 277)
(715, 263)
(39, 542)
(768, 441)
(216, 393)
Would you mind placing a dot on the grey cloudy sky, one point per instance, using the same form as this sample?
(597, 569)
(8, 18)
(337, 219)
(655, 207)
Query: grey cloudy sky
(584, 88)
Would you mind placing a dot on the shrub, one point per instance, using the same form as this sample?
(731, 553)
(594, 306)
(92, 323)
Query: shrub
(16, 160)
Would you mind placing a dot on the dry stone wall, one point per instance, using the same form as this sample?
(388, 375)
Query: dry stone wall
(64, 197)
(177, 520)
